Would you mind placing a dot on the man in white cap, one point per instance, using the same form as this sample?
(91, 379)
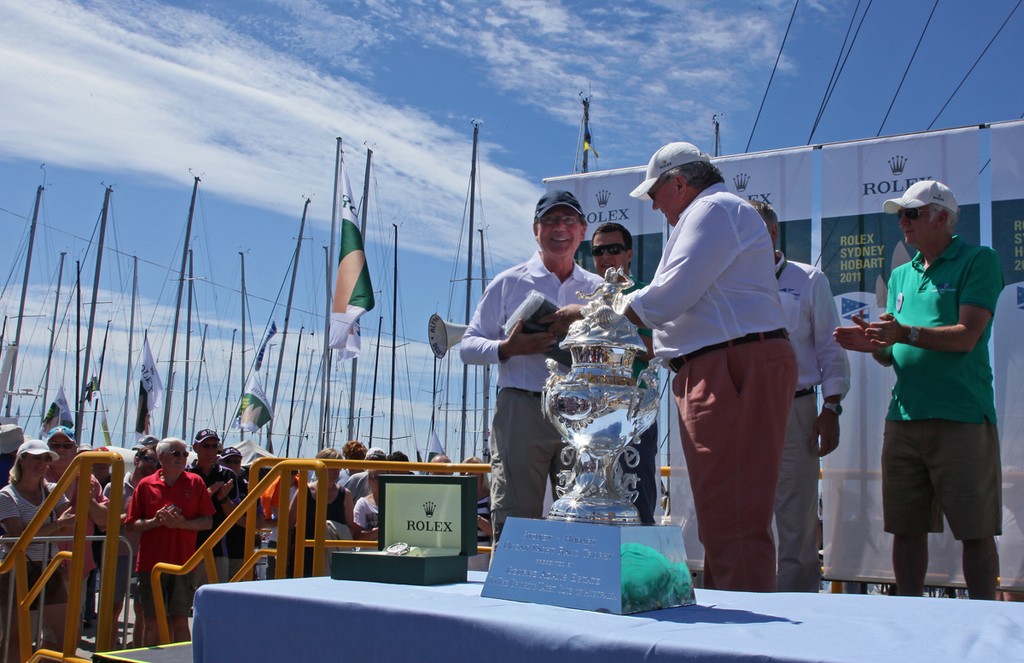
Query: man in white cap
(714, 307)
(940, 445)
(526, 445)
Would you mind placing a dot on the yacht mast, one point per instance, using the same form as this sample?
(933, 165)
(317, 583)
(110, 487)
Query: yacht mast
(24, 292)
(188, 351)
(394, 340)
(131, 339)
(53, 328)
(469, 277)
(227, 388)
(92, 306)
(362, 233)
(169, 389)
(284, 334)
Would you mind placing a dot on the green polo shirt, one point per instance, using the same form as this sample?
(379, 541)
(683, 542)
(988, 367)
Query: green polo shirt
(956, 386)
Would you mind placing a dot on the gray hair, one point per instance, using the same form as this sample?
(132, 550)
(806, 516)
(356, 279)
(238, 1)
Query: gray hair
(951, 216)
(164, 445)
(698, 174)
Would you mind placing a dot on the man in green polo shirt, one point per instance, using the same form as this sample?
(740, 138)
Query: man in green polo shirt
(941, 446)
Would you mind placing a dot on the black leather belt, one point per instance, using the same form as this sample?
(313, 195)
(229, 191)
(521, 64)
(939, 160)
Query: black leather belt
(523, 391)
(805, 392)
(678, 362)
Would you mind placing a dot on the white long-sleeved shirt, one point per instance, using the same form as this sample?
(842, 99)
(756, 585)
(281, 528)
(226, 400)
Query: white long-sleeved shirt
(503, 296)
(715, 281)
(810, 319)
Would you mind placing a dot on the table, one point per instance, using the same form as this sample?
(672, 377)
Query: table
(322, 619)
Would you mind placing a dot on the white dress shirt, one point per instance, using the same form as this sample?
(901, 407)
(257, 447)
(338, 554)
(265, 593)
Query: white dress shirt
(810, 319)
(715, 281)
(503, 296)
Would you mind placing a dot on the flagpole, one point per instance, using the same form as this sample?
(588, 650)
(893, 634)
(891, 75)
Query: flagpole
(131, 339)
(325, 382)
(287, 316)
(227, 388)
(362, 233)
(169, 390)
(469, 277)
(243, 366)
(92, 305)
(394, 340)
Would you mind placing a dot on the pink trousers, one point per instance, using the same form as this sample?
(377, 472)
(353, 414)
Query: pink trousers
(733, 406)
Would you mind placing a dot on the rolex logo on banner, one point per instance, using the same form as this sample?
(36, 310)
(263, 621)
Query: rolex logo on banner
(741, 180)
(897, 184)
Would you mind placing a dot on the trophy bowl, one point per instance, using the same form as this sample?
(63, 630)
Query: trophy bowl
(600, 409)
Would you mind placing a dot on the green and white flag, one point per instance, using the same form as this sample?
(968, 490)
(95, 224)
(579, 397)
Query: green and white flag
(59, 412)
(254, 411)
(433, 449)
(353, 292)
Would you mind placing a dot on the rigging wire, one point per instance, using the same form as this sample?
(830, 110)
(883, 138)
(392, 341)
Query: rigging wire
(770, 78)
(907, 70)
(837, 71)
(985, 50)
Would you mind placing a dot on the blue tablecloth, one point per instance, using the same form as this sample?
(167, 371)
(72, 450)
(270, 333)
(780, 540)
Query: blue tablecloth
(319, 619)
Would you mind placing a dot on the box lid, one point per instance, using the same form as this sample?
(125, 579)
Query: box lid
(431, 511)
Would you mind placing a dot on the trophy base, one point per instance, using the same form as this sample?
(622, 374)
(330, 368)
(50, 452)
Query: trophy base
(602, 568)
(594, 510)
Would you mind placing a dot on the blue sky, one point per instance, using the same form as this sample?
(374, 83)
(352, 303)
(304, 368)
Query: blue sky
(251, 95)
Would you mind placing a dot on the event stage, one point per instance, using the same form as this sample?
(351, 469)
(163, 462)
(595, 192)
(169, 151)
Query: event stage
(320, 619)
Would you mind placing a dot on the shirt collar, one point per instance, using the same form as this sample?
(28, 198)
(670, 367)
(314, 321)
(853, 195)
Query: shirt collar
(952, 252)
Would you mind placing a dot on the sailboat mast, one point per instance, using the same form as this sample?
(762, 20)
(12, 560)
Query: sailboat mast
(169, 389)
(78, 331)
(24, 293)
(469, 277)
(394, 339)
(188, 349)
(325, 396)
(99, 381)
(586, 131)
(362, 233)
(287, 315)
(92, 305)
(243, 366)
(131, 339)
(291, 407)
(486, 451)
(199, 376)
(227, 388)
(325, 382)
(376, 364)
(53, 328)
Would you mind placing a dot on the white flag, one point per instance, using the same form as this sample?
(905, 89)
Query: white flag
(433, 449)
(59, 412)
(151, 390)
(254, 411)
(6, 368)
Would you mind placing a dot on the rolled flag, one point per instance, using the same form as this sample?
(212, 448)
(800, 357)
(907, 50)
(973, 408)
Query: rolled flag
(151, 390)
(254, 411)
(59, 412)
(263, 345)
(353, 292)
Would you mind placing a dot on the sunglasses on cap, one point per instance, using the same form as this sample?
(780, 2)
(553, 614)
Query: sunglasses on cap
(610, 249)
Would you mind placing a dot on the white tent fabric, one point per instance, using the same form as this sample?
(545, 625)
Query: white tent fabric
(251, 451)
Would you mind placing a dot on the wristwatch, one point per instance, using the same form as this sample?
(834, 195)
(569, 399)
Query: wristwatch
(834, 407)
(914, 335)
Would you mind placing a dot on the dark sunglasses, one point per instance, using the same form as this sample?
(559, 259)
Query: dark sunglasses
(610, 249)
(207, 445)
(62, 445)
(177, 454)
(910, 212)
(147, 459)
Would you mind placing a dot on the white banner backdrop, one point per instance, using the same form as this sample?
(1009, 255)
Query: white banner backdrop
(1007, 166)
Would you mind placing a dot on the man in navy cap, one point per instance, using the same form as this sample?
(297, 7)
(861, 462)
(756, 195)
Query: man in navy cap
(526, 445)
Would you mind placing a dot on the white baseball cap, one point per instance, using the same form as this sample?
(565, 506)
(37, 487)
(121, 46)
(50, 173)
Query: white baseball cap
(925, 192)
(664, 160)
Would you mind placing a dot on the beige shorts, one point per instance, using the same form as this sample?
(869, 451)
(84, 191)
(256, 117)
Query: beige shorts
(936, 467)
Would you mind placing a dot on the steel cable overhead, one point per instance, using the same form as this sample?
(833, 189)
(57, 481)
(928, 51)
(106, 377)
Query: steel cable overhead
(837, 70)
(907, 70)
(770, 78)
(990, 42)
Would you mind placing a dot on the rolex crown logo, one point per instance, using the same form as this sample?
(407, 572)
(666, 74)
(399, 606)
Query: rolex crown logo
(602, 197)
(741, 181)
(897, 164)
(428, 508)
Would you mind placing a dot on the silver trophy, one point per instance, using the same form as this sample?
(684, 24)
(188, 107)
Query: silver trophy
(600, 409)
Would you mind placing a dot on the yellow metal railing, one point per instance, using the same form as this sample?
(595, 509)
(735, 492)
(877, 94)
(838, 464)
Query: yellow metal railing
(16, 560)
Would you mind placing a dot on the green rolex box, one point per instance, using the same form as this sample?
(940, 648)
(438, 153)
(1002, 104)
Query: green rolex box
(431, 520)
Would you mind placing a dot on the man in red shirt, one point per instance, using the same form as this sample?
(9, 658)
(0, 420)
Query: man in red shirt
(168, 508)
